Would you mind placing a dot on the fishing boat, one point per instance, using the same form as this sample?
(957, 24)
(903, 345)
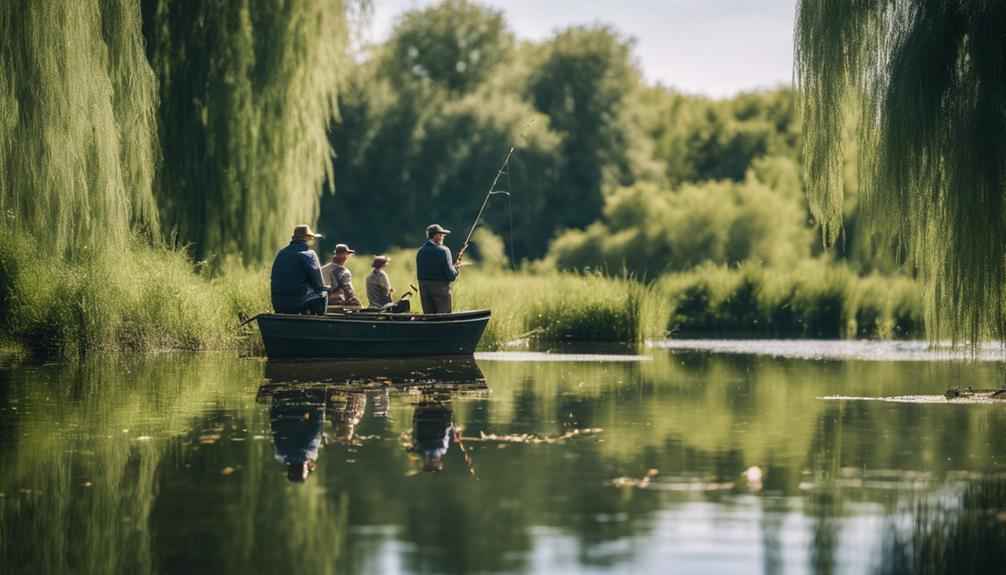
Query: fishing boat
(361, 334)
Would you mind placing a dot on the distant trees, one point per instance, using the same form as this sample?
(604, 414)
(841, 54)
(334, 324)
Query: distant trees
(649, 230)
(428, 118)
(584, 80)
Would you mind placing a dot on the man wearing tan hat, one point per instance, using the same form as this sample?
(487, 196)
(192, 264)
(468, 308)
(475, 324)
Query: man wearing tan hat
(295, 282)
(340, 278)
(436, 270)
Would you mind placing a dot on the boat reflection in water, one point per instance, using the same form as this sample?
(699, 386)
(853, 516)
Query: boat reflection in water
(319, 402)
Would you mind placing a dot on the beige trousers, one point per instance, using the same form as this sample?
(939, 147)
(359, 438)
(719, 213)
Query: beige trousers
(436, 296)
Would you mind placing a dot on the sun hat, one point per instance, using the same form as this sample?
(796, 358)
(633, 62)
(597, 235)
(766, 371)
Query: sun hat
(304, 230)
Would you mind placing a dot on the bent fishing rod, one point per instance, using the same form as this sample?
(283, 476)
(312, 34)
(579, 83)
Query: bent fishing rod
(492, 189)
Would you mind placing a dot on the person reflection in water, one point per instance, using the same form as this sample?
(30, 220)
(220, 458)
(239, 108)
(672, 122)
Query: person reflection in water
(345, 412)
(298, 419)
(432, 431)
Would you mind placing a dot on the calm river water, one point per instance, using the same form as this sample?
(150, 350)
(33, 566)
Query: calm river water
(678, 460)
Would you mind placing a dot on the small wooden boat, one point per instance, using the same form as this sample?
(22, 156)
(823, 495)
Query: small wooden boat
(371, 334)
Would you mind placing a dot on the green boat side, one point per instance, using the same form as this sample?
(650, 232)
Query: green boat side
(371, 335)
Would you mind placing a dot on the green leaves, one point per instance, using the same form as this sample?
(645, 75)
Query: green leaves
(929, 84)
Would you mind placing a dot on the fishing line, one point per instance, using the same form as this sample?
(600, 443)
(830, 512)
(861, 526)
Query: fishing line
(509, 207)
(504, 168)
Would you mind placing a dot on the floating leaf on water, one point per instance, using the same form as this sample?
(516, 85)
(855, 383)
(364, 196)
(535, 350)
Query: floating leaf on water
(88, 484)
(228, 470)
(633, 482)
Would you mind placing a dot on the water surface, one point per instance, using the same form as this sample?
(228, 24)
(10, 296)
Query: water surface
(673, 460)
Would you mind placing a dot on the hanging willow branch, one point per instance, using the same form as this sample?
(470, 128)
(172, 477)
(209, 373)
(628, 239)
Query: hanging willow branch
(77, 124)
(247, 92)
(929, 80)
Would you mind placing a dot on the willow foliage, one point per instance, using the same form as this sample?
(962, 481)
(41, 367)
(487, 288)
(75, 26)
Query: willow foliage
(77, 125)
(247, 92)
(929, 79)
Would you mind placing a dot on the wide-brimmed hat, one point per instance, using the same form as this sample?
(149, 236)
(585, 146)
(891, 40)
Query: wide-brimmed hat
(433, 229)
(343, 249)
(380, 261)
(304, 230)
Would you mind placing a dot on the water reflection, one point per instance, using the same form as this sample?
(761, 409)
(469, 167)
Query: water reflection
(316, 403)
(297, 417)
(179, 464)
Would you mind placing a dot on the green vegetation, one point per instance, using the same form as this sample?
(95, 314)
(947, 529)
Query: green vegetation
(247, 90)
(814, 300)
(155, 153)
(144, 298)
(77, 127)
(932, 154)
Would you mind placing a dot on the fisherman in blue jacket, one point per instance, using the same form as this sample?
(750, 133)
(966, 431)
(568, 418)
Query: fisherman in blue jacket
(296, 283)
(436, 271)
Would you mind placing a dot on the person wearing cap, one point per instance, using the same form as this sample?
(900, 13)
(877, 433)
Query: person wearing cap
(378, 285)
(436, 270)
(296, 284)
(340, 278)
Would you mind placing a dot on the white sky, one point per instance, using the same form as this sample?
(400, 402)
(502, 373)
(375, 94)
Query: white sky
(711, 47)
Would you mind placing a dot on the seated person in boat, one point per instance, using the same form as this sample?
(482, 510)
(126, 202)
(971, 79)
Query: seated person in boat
(296, 283)
(378, 285)
(436, 271)
(340, 278)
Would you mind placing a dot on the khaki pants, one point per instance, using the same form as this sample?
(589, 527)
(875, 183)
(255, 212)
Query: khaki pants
(436, 296)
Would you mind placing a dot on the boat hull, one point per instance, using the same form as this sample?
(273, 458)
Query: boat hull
(363, 335)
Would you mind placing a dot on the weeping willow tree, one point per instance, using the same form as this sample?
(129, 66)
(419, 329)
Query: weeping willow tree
(928, 79)
(247, 91)
(77, 123)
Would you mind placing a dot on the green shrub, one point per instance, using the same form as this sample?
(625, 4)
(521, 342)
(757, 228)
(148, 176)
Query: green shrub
(815, 299)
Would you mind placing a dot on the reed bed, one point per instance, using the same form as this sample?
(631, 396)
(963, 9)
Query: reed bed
(141, 298)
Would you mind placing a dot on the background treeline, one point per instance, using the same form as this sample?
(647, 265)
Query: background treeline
(611, 172)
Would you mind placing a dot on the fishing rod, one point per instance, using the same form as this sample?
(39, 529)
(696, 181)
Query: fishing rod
(492, 190)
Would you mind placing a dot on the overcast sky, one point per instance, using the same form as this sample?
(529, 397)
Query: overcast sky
(712, 47)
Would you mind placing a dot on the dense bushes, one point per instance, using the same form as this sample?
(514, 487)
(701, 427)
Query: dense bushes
(814, 300)
(650, 230)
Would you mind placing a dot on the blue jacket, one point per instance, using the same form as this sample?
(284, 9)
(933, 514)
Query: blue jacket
(434, 263)
(296, 275)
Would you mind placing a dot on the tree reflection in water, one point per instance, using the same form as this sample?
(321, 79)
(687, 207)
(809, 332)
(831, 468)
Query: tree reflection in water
(965, 534)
